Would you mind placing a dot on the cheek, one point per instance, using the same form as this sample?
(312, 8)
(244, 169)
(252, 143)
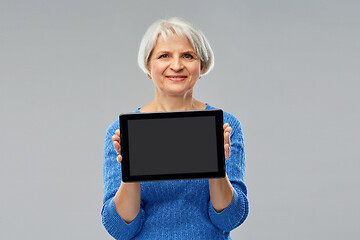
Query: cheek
(195, 70)
(156, 69)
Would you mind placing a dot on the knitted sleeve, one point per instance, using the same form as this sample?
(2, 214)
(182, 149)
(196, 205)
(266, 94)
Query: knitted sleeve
(111, 220)
(236, 213)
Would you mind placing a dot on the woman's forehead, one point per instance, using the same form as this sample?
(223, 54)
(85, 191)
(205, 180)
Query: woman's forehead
(173, 41)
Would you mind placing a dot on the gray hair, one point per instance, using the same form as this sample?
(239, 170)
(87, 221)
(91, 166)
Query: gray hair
(181, 28)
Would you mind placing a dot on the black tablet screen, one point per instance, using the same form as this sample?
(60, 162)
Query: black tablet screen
(172, 146)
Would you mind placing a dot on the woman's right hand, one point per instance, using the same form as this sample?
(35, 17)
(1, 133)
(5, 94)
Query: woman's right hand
(127, 198)
(116, 143)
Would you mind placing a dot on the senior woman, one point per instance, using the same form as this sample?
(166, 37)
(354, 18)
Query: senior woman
(174, 55)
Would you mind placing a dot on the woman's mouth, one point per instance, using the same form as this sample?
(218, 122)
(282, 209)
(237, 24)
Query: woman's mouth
(176, 78)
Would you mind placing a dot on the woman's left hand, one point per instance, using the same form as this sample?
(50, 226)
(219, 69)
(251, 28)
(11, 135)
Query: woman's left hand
(227, 130)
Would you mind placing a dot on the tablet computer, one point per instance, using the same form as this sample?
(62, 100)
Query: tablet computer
(172, 145)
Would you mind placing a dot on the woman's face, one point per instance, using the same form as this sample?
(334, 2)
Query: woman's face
(174, 66)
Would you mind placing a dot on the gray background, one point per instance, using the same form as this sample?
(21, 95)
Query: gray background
(289, 70)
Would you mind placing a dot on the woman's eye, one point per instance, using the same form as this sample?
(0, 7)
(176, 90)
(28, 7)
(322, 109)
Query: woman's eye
(163, 56)
(189, 56)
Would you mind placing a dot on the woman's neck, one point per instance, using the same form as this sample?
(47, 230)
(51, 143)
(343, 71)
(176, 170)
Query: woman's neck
(172, 104)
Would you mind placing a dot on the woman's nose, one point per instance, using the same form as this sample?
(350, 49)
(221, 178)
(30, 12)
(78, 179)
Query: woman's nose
(176, 64)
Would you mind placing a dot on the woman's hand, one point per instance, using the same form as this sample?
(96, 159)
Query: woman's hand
(227, 130)
(127, 198)
(117, 146)
(221, 190)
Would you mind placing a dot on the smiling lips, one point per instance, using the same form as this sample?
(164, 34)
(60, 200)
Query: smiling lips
(176, 78)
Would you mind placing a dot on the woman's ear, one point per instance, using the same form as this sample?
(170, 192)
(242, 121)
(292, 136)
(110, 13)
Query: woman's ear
(148, 70)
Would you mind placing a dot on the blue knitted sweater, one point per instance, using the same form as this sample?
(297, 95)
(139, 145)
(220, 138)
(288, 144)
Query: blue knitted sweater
(179, 209)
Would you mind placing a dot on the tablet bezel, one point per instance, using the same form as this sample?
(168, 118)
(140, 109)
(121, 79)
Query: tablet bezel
(125, 164)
